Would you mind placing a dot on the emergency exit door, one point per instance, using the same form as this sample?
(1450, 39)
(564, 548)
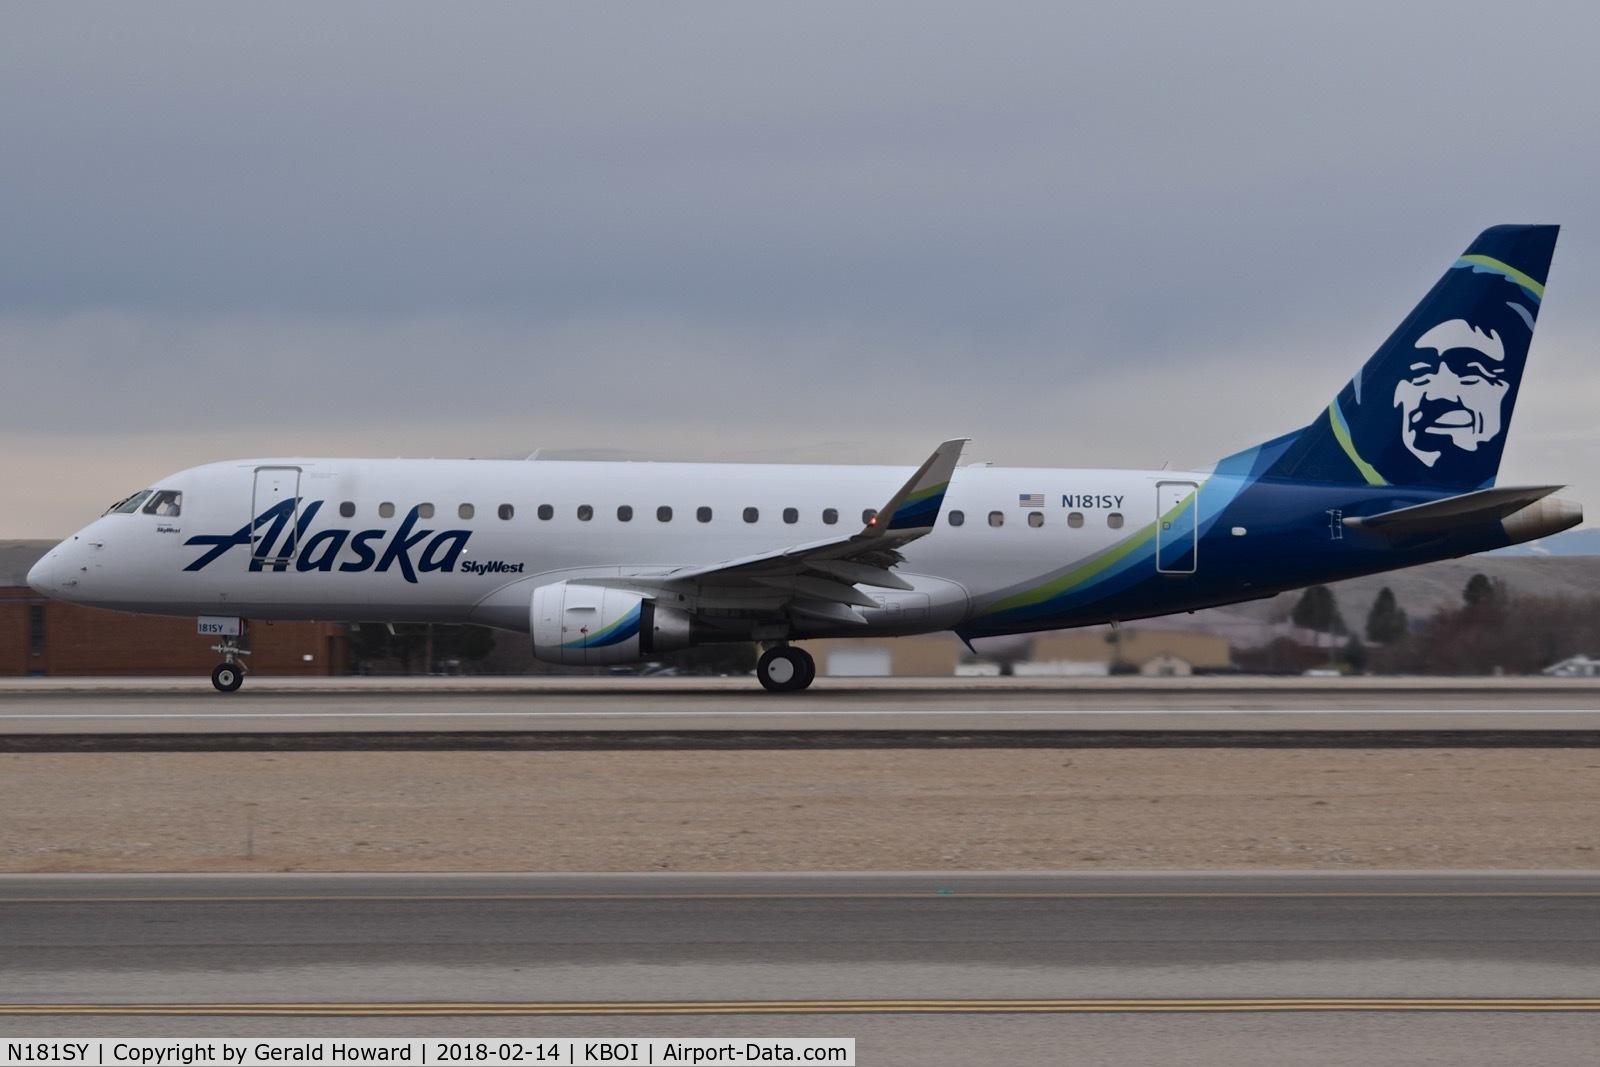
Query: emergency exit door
(1177, 531)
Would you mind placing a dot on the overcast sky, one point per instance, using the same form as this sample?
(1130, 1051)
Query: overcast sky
(836, 232)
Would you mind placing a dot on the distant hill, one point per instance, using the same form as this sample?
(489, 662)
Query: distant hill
(1421, 591)
(1566, 543)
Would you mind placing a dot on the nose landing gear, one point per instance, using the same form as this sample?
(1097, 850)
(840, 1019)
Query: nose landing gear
(785, 669)
(228, 675)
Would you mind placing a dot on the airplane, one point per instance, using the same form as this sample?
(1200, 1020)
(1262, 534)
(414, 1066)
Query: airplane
(611, 563)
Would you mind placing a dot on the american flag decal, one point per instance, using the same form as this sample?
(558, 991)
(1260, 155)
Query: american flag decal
(1030, 500)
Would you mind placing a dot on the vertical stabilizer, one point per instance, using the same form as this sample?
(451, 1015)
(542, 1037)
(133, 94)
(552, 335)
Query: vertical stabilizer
(1432, 406)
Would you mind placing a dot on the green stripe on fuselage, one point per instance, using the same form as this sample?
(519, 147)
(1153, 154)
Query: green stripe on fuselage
(1077, 576)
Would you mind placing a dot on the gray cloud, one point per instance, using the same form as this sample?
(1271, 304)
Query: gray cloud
(747, 229)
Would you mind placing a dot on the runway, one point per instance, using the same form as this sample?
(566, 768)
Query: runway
(1460, 961)
(1230, 970)
(686, 705)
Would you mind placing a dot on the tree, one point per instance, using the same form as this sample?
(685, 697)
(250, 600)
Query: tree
(1524, 635)
(1355, 654)
(1318, 610)
(1479, 590)
(1387, 621)
(1485, 602)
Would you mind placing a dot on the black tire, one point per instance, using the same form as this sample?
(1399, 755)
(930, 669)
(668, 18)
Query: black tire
(784, 669)
(227, 677)
(810, 665)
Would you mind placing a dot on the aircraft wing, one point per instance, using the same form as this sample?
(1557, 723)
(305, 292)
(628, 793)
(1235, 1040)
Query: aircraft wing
(820, 578)
(1482, 506)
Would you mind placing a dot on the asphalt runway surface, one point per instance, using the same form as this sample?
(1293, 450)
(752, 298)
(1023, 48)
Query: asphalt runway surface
(936, 968)
(683, 706)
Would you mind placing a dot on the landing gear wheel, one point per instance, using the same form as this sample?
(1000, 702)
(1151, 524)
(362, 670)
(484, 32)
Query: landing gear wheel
(228, 677)
(785, 669)
(811, 668)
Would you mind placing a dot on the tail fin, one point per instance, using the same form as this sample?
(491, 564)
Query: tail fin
(1432, 406)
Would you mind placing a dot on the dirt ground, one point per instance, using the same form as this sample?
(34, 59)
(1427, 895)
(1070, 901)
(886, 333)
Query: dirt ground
(794, 811)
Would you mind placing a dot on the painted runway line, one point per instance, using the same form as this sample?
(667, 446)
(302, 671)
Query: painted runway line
(841, 1007)
(766, 715)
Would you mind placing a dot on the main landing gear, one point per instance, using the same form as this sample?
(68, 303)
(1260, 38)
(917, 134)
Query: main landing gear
(228, 675)
(785, 669)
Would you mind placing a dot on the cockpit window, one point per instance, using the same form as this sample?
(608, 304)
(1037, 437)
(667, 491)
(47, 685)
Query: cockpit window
(128, 505)
(167, 503)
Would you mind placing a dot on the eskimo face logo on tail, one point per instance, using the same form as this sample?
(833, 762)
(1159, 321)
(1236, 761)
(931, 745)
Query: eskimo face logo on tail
(1439, 394)
(1453, 397)
(283, 542)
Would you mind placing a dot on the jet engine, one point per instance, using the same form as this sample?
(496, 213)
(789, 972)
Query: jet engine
(592, 625)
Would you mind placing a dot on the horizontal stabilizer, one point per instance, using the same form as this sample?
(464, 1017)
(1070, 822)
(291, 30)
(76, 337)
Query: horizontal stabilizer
(1485, 505)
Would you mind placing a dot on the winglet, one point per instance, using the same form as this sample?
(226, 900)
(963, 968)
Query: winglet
(915, 508)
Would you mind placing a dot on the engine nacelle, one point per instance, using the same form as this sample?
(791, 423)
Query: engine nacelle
(592, 625)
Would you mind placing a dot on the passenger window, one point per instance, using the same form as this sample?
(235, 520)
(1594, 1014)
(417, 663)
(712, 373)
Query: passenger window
(424, 511)
(1114, 520)
(506, 511)
(1075, 519)
(386, 510)
(830, 516)
(585, 512)
(868, 515)
(347, 510)
(663, 514)
(1036, 519)
(703, 514)
(957, 518)
(624, 513)
(791, 515)
(751, 515)
(466, 511)
(997, 518)
(546, 512)
(168, 504)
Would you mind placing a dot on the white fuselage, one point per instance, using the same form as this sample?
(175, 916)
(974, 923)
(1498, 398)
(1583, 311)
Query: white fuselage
(457, 541)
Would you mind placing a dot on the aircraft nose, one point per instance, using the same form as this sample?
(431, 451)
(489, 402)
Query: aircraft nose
(42, 575)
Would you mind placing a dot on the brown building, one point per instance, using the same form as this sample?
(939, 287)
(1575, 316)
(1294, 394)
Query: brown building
(1145, 649)
(1090, 651)
(40, 636)
(923, 655)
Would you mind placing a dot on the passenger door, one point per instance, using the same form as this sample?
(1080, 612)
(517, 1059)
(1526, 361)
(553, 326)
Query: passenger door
(274, 543)
(1177, 531)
